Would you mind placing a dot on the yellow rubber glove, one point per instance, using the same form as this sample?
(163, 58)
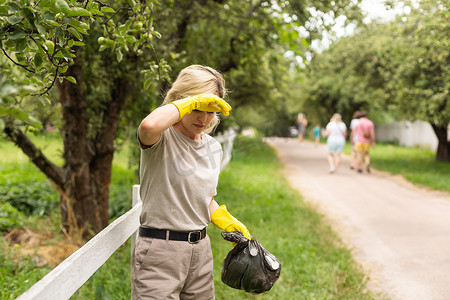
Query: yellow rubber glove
(225, 221)
(202, 102)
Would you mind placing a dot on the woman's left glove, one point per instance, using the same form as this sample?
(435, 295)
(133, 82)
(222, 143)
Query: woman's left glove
(225, 221)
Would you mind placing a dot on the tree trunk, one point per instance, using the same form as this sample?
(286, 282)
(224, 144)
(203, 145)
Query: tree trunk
(79, 211)
(85, 196)
(443, 150)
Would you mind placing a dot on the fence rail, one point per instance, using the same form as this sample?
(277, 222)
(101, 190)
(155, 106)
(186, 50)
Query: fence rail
(64, 280)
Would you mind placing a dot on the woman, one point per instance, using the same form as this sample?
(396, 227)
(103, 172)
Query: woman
(301, 126)
(179, 171)
(336, 131)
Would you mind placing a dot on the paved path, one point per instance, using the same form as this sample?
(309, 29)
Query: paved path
(400, 234)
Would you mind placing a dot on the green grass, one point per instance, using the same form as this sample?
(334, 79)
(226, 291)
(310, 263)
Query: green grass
(17, 276)
(50, 144)
(417, 165)
(314, 263)
(36, 205)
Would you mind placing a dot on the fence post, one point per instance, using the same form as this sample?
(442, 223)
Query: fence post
(227, 139)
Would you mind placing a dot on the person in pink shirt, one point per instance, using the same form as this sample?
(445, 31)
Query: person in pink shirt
(365, 132)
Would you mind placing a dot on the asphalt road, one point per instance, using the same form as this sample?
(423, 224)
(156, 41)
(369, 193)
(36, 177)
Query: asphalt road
(399, 233)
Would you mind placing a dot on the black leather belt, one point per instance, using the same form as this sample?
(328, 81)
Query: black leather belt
(193, 237)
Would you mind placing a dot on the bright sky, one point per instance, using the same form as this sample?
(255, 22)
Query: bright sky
(375, 9)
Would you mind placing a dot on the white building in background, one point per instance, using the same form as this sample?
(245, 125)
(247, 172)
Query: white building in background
(409, 134)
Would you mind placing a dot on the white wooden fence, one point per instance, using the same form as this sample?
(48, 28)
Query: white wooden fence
(64, 280)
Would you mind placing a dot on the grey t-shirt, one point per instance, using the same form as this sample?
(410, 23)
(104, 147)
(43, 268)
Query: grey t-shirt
(179, 178)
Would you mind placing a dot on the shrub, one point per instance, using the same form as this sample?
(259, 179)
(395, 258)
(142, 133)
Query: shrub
(10, 217)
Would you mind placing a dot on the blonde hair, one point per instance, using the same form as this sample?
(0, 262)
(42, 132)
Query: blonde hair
(194, 80)
(336, 118)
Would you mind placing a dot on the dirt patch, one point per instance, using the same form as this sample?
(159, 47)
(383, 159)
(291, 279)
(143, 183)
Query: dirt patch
(45, 248)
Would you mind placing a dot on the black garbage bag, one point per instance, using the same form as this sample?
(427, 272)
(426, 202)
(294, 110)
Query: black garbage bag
(249, 266)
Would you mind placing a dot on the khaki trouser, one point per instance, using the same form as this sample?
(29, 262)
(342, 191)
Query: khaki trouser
(163, 269)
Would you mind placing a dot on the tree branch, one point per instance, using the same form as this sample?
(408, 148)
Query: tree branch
(48, 88)
(16, 63)
(52, 171)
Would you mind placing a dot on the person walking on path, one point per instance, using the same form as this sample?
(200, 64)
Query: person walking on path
(365, 132)
(316, 133)
(179, 172)
(301, 126)
(353, 139)
(336, 133)
(399, 233)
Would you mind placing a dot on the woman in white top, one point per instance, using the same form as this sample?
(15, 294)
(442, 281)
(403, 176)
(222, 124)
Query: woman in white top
(336, 133)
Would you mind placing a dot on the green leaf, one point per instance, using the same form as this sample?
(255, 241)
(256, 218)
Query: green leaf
(15, 19)
(147, 83)
(28, 14)
(107, 9)
(97, 12)
(62, 6)
(13, 6)
(75, 33)
(67, 55)
(102, 48)
(21, 45)
(75, 23)
(119, 55)
(47, 3)
(50, 46)
(4, 10)
(61, 37)
(51, 22)
(40, 28)
(63, 69)
(37, 60)
(20, 115)
(18, 34)
(130, 39)
(70, 79)
(132, 3)
(157, 34)
(78, 12)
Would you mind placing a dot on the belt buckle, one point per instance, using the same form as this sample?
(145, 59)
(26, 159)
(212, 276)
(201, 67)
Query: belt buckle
(199, 234)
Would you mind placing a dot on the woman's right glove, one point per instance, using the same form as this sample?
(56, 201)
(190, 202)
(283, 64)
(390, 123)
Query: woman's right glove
(225, 221)
(202, 102)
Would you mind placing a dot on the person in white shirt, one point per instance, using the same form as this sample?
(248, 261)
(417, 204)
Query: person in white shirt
(336, 133)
